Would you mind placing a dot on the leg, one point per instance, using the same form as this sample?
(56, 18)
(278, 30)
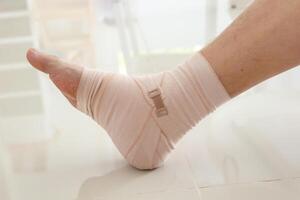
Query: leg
(261, 43)
(145, 126)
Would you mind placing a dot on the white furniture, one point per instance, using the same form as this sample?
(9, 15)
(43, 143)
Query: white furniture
(21, 100)
(5, 190)
(65, 28)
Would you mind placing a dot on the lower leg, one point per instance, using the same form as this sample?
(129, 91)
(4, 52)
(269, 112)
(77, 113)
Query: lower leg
(261, 43)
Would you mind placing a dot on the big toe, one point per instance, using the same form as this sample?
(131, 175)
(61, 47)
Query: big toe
(65, 76)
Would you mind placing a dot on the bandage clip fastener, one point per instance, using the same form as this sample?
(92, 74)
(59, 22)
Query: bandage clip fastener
(161, 109)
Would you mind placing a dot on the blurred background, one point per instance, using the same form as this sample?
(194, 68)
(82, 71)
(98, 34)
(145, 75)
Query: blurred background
(48, 149)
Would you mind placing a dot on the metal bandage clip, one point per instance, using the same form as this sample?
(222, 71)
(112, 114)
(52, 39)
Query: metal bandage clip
(161, 110)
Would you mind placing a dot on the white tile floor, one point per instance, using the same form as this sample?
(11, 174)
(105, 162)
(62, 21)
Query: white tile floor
(249, 149)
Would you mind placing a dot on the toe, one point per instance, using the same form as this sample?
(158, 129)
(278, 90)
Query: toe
(65, 76)
(43, 62)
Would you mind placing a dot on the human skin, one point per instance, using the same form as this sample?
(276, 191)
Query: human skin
(259, 44)
(262, 42)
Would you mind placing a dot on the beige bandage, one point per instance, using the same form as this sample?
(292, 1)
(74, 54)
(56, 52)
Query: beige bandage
(145, 116)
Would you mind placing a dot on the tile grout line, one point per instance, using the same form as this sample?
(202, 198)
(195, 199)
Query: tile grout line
(195, 183)
(251, 182)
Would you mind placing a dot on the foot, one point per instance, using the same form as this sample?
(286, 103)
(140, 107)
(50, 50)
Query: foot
(145, 116)
(64, 75)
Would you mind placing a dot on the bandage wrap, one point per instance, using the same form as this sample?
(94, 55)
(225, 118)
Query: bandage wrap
(145, 116)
